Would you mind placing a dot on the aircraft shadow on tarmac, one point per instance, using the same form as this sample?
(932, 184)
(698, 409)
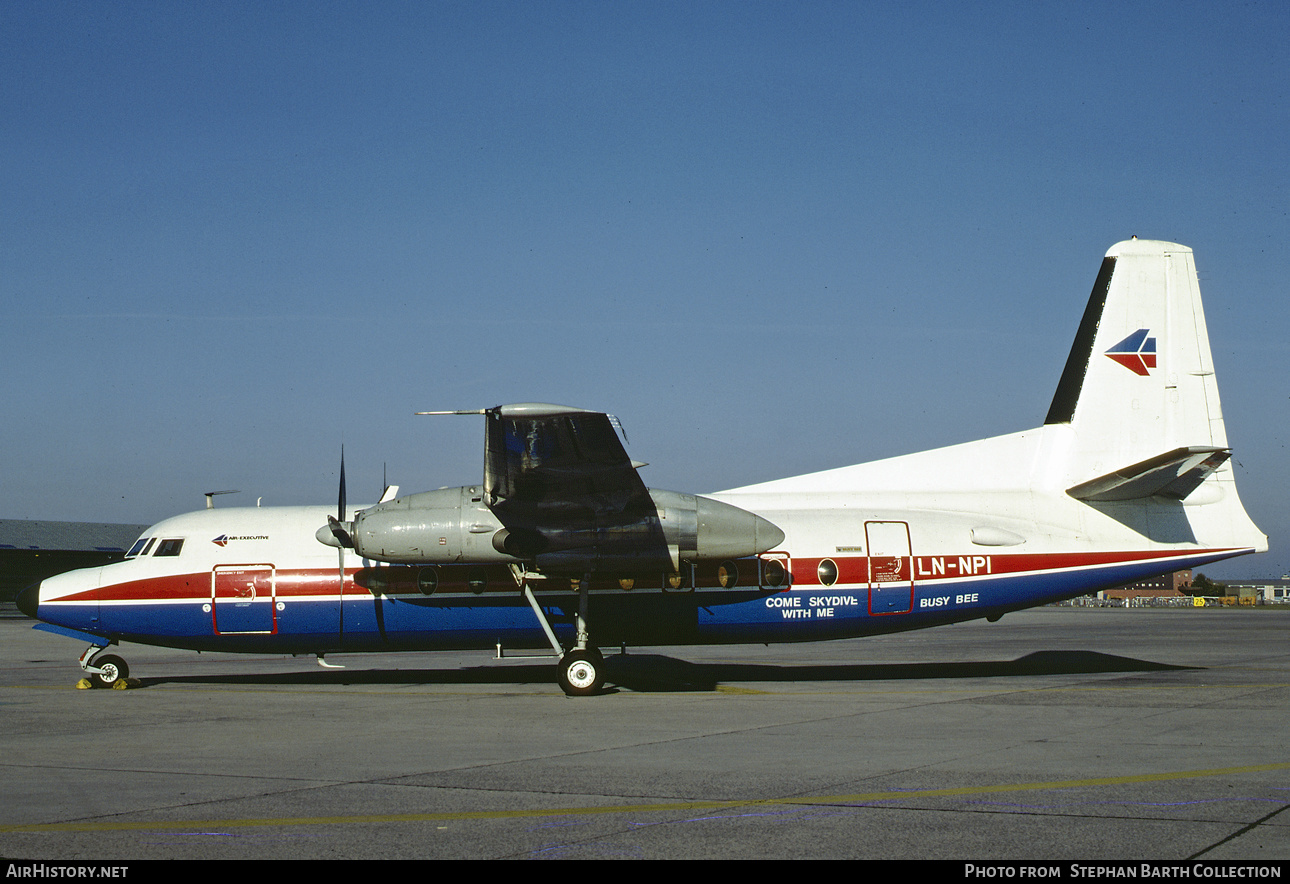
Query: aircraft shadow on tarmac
(652, 673)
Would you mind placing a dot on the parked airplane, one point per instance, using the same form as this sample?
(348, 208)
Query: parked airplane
(562, 545)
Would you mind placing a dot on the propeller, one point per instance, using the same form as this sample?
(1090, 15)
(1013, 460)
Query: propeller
(337, 530)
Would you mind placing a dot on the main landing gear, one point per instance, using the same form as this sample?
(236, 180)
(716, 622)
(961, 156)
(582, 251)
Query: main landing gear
(104, 670)
(581, 671)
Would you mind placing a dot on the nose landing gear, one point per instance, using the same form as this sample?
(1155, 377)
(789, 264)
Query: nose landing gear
(104, 670)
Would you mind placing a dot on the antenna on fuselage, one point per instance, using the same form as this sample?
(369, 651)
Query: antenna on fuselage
(210, 498)
(390, 491)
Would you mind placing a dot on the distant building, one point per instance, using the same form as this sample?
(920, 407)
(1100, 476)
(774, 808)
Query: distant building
(30, 551)
(1261, 591)
(1173, 585)
(1267, 590)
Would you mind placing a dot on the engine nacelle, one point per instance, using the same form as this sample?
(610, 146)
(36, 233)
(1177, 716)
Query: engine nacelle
(454, 525)
(433, 527)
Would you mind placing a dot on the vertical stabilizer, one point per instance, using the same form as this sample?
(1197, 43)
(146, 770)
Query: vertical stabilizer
(1139, 382)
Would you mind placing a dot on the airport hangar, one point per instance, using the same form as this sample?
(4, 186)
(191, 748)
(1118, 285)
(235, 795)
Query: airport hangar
(30, 550)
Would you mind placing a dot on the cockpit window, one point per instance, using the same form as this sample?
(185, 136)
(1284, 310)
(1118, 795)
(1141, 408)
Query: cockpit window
(141, 547)
(169, 548)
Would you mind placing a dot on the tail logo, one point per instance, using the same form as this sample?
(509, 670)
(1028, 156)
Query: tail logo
(1137, 352)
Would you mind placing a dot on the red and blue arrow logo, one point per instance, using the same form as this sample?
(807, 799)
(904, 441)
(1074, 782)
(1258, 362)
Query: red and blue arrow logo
(1137, 352)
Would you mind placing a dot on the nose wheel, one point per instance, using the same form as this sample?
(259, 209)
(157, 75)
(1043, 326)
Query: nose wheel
(105, 670)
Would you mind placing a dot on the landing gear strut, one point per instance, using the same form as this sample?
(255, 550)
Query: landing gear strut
(581, 671)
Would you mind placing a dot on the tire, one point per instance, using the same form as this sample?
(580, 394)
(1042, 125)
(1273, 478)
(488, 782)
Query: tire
(114, 669)
(582, 672)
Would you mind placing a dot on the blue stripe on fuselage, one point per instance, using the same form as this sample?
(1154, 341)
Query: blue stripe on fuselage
(429, 623)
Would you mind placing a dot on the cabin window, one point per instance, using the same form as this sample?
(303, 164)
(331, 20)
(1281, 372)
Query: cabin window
(727, 575)
(773, 573)
(169, 548)
(428, 580)
(828, 572)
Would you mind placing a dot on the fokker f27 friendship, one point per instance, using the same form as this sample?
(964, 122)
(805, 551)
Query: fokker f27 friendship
(562, 545)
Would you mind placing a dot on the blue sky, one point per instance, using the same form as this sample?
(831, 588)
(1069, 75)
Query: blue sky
(771, 237)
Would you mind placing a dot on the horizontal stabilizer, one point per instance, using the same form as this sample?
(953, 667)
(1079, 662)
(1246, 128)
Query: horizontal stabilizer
(1173, 475)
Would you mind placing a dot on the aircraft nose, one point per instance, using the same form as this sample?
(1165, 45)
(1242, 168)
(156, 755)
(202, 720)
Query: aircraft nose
(28, 600)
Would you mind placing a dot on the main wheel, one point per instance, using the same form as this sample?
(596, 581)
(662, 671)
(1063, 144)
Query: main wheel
(114, 669)
(582, 672)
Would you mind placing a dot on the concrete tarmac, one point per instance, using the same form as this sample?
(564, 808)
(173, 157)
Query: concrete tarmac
(1056, 734)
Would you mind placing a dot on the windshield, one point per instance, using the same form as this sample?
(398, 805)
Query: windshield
(140, 547)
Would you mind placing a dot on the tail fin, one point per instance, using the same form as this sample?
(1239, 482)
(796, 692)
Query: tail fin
(1138, 389)
(1139, 396)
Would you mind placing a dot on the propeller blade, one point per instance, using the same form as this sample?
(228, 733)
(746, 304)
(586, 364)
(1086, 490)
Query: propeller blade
(338, 530)
(340, 505)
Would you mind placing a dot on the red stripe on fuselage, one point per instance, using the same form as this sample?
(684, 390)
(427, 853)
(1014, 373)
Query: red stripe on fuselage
(315, 582)
(197, 587)
(855, 569)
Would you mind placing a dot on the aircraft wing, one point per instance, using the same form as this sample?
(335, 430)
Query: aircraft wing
(568, 500)
(552, 457)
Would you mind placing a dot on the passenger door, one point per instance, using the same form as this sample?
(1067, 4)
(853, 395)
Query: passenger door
(891, 572)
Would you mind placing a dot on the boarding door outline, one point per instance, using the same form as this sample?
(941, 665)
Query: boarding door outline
(891, 568)
(244, 600)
